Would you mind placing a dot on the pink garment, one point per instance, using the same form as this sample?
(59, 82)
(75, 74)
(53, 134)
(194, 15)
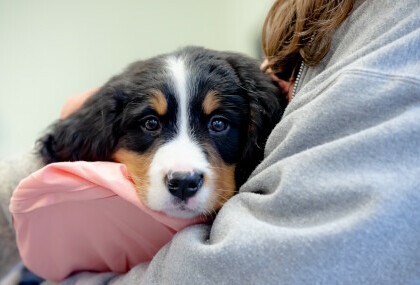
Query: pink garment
(78, 216)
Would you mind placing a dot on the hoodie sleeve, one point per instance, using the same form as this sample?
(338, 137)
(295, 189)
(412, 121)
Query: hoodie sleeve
(11, 172)
(336, 200)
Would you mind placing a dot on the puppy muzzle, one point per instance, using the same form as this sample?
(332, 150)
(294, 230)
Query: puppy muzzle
(184, 185)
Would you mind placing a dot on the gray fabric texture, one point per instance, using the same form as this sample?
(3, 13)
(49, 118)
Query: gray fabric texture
(11, 172)
(337, 198)
(339, 191)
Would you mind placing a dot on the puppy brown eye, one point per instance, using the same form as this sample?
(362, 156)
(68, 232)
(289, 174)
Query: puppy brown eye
(150, 124)
(218, 125)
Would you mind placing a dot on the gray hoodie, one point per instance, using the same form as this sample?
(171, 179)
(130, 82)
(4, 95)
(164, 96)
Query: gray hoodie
(337, 198)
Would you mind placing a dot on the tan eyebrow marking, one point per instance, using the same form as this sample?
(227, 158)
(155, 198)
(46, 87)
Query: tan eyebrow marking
(211, 102)
(158, 102)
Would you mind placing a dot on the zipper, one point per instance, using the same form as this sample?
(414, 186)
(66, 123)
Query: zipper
(297, 79)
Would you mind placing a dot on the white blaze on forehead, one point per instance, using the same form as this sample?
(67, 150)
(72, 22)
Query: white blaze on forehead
(179, 77)
(187, 154)
(182, 153)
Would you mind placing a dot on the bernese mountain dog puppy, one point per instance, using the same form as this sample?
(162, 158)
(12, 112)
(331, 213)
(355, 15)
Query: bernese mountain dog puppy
(190, 126)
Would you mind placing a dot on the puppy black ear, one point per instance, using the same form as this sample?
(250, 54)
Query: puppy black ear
(90, 134)
(266, 105)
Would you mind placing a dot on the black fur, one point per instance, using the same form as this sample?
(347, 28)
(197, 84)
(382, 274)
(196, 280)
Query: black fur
(110, 118)
(266, 107)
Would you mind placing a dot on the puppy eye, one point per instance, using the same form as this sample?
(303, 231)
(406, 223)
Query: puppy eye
(150, 124)
(218, 125)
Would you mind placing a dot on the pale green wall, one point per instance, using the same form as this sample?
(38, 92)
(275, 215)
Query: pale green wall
(52, 49)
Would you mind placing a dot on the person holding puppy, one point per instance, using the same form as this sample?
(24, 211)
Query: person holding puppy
(335, 200)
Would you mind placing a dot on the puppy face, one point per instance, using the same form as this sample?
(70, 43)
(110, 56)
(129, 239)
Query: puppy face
(189, 126)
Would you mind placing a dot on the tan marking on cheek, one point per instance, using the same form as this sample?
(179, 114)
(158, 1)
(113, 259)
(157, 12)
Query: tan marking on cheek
(211, 102)
(224, 184)
(158, 102)
(138, 168)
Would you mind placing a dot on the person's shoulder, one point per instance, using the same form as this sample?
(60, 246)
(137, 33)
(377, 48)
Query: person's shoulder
(379, 38)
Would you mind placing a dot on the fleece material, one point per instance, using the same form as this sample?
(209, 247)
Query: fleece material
(11, 172)
(337, 198)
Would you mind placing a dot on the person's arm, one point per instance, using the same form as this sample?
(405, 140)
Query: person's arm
(337, 203)
(11, 172)
(336, 200)
(74, 103)
(18, 167)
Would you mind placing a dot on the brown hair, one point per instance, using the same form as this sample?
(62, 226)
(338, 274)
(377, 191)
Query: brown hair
(301, 30)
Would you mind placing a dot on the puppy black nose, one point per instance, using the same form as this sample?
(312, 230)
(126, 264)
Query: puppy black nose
(184, 184)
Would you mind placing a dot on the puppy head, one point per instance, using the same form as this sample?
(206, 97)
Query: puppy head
(190, 127)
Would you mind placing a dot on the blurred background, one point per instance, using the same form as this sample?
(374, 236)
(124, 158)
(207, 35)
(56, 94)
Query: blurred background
(50, 49)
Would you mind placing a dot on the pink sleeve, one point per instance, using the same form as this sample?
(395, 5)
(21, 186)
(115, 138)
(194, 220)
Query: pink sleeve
(78, 216)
